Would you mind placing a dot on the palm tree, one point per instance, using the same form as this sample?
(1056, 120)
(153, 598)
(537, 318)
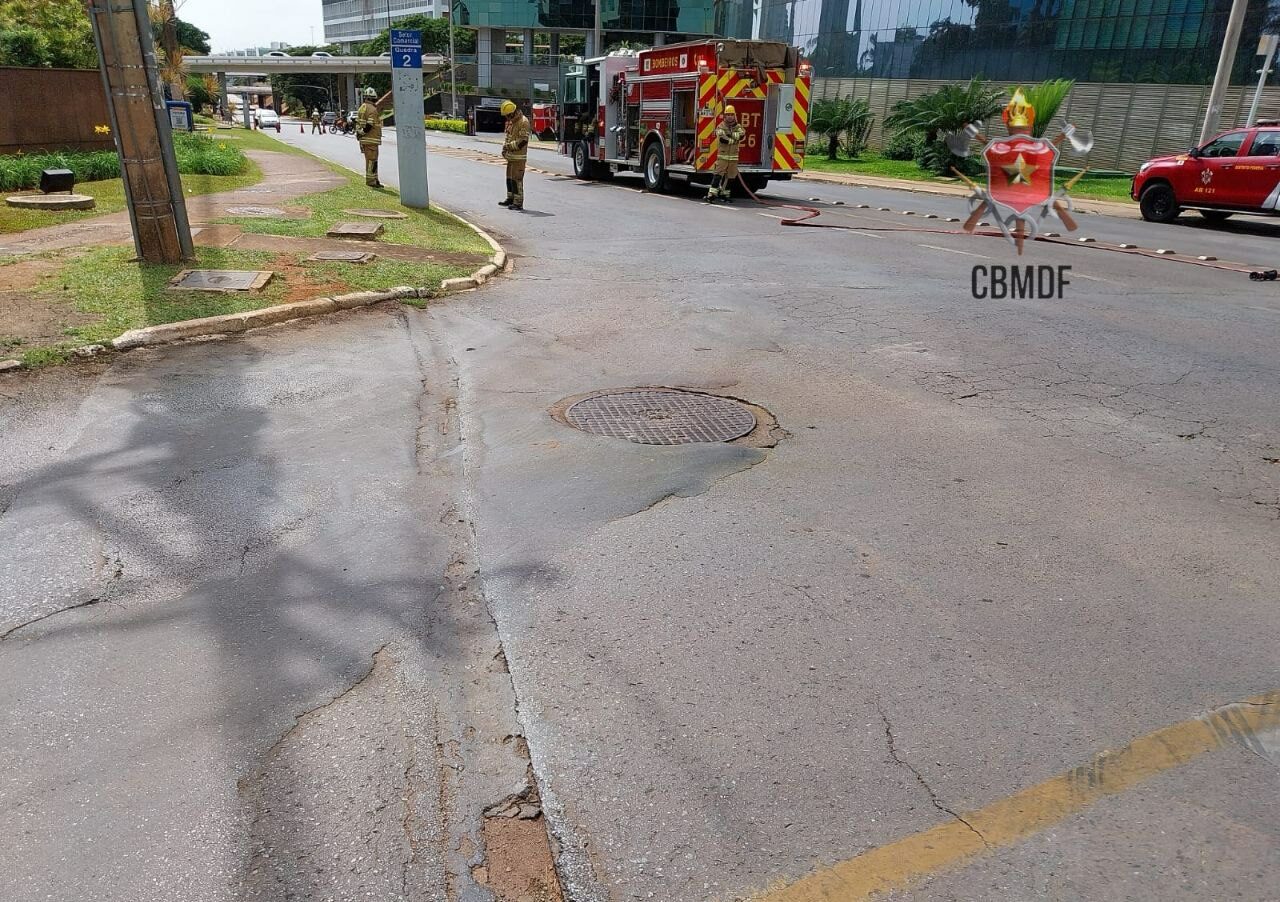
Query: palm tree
(832, 117)
(946, 110)
(1045, 98)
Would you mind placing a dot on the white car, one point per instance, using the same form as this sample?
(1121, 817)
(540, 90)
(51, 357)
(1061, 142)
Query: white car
(278, 54)
(267, 118)
(320, 54)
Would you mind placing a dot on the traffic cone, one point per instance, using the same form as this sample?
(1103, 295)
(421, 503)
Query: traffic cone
(302, 129)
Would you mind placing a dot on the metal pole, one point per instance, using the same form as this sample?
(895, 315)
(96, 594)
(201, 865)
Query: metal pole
(595, 38)
(1272, 42)
(1230, 43)
(453, 66)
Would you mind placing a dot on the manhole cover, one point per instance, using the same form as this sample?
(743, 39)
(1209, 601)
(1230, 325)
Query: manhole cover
(221, 279)
(378, 214)
(661, 416)
(273, 212)
(364, 230)
(343, 257)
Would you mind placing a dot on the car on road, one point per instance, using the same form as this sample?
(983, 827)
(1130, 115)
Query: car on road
(278, 54)
(267, 118)
(1236, 172)
(320, 54)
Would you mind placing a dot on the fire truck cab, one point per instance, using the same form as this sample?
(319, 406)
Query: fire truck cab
(656, 111)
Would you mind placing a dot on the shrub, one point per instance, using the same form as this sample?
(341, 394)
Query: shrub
(197, 155)
(206, 155)
(458, 126)
(23, 170)
(903, 146)
(841, 116)
(1046, 98)
(946, 110)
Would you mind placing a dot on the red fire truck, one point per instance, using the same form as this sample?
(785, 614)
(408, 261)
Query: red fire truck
(656, 111)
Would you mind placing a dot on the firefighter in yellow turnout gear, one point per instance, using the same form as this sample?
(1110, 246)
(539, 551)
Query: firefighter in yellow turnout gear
(369, 133)
(730, 135)
(515, 150)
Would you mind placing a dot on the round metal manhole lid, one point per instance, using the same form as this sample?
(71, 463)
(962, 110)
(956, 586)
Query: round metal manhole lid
(661, 416)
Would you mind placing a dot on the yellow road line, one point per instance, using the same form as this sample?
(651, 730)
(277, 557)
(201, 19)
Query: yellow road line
(1007, 821)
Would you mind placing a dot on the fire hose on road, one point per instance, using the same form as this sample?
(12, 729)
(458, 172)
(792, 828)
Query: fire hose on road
(811, 213)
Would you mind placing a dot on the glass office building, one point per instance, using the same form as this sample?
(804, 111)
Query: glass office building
(673, 19)
(348, 22)
(1166, 41)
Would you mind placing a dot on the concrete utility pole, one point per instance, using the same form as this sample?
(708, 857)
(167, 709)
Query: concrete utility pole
(598, 50)
(140, 124)
(1267, 49)
(1230, 43)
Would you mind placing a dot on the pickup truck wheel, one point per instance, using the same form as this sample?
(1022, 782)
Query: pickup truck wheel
(1158, 204)
(583, 166)
(655, 168)
(1216, 216)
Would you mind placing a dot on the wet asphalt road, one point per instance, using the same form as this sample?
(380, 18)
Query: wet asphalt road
(997, 538)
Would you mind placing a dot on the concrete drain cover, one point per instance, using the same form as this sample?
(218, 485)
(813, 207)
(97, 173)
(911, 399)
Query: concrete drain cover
(221, 279)
(265, 212)
(377, 214)
(661, 416)
(366, 231)
(343, 257)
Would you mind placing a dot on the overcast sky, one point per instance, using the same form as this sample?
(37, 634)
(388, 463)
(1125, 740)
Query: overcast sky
(238, 24)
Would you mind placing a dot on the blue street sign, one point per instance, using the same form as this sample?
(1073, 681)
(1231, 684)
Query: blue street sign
(406, 48)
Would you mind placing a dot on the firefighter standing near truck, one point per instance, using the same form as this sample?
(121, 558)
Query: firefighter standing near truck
(369, 133)
(730, 135)
(515, 150)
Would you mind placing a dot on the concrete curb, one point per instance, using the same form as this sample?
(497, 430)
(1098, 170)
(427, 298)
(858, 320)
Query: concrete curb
(232, 323)
(1082, 205)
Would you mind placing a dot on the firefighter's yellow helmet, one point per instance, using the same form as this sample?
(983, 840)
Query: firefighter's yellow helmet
(508, 107)
(730, 109)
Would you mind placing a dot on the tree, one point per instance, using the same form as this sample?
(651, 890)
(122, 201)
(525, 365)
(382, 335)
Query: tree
(46, 34)
(435, 37)
(948, 109)
(1045, 98)
(192, 40)
(836, 116)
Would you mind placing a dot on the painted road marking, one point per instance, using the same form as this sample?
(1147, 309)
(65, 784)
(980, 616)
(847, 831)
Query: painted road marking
(952, 250)
(1010, 820)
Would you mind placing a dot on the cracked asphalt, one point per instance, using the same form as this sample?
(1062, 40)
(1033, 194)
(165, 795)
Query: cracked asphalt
(996, 539)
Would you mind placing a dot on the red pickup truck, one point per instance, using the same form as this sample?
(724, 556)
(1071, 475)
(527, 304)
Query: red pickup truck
(1236, 172)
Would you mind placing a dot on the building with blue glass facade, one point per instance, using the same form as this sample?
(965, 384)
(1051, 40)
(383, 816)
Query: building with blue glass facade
(1160, 41)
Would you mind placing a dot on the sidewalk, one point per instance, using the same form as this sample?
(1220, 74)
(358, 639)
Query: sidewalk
(284, 177)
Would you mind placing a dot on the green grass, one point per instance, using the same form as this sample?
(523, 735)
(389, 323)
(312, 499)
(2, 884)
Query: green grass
(431, 229)
(109, 195)
(1091, 187)
(123, 294)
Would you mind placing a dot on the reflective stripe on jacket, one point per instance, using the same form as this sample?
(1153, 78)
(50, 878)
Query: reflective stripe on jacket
(730, 138)
(369, 123)
(516, 147)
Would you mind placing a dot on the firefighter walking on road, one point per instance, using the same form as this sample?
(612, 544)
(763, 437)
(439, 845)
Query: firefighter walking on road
(315, 121)
(369, 133)
(730, 135)
(515, 150)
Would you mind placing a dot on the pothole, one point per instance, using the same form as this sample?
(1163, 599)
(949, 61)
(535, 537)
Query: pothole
(665, 416)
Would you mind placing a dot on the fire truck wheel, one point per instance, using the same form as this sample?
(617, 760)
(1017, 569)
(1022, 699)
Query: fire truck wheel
(655, 170)
(1159, 204)
(583, 166)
